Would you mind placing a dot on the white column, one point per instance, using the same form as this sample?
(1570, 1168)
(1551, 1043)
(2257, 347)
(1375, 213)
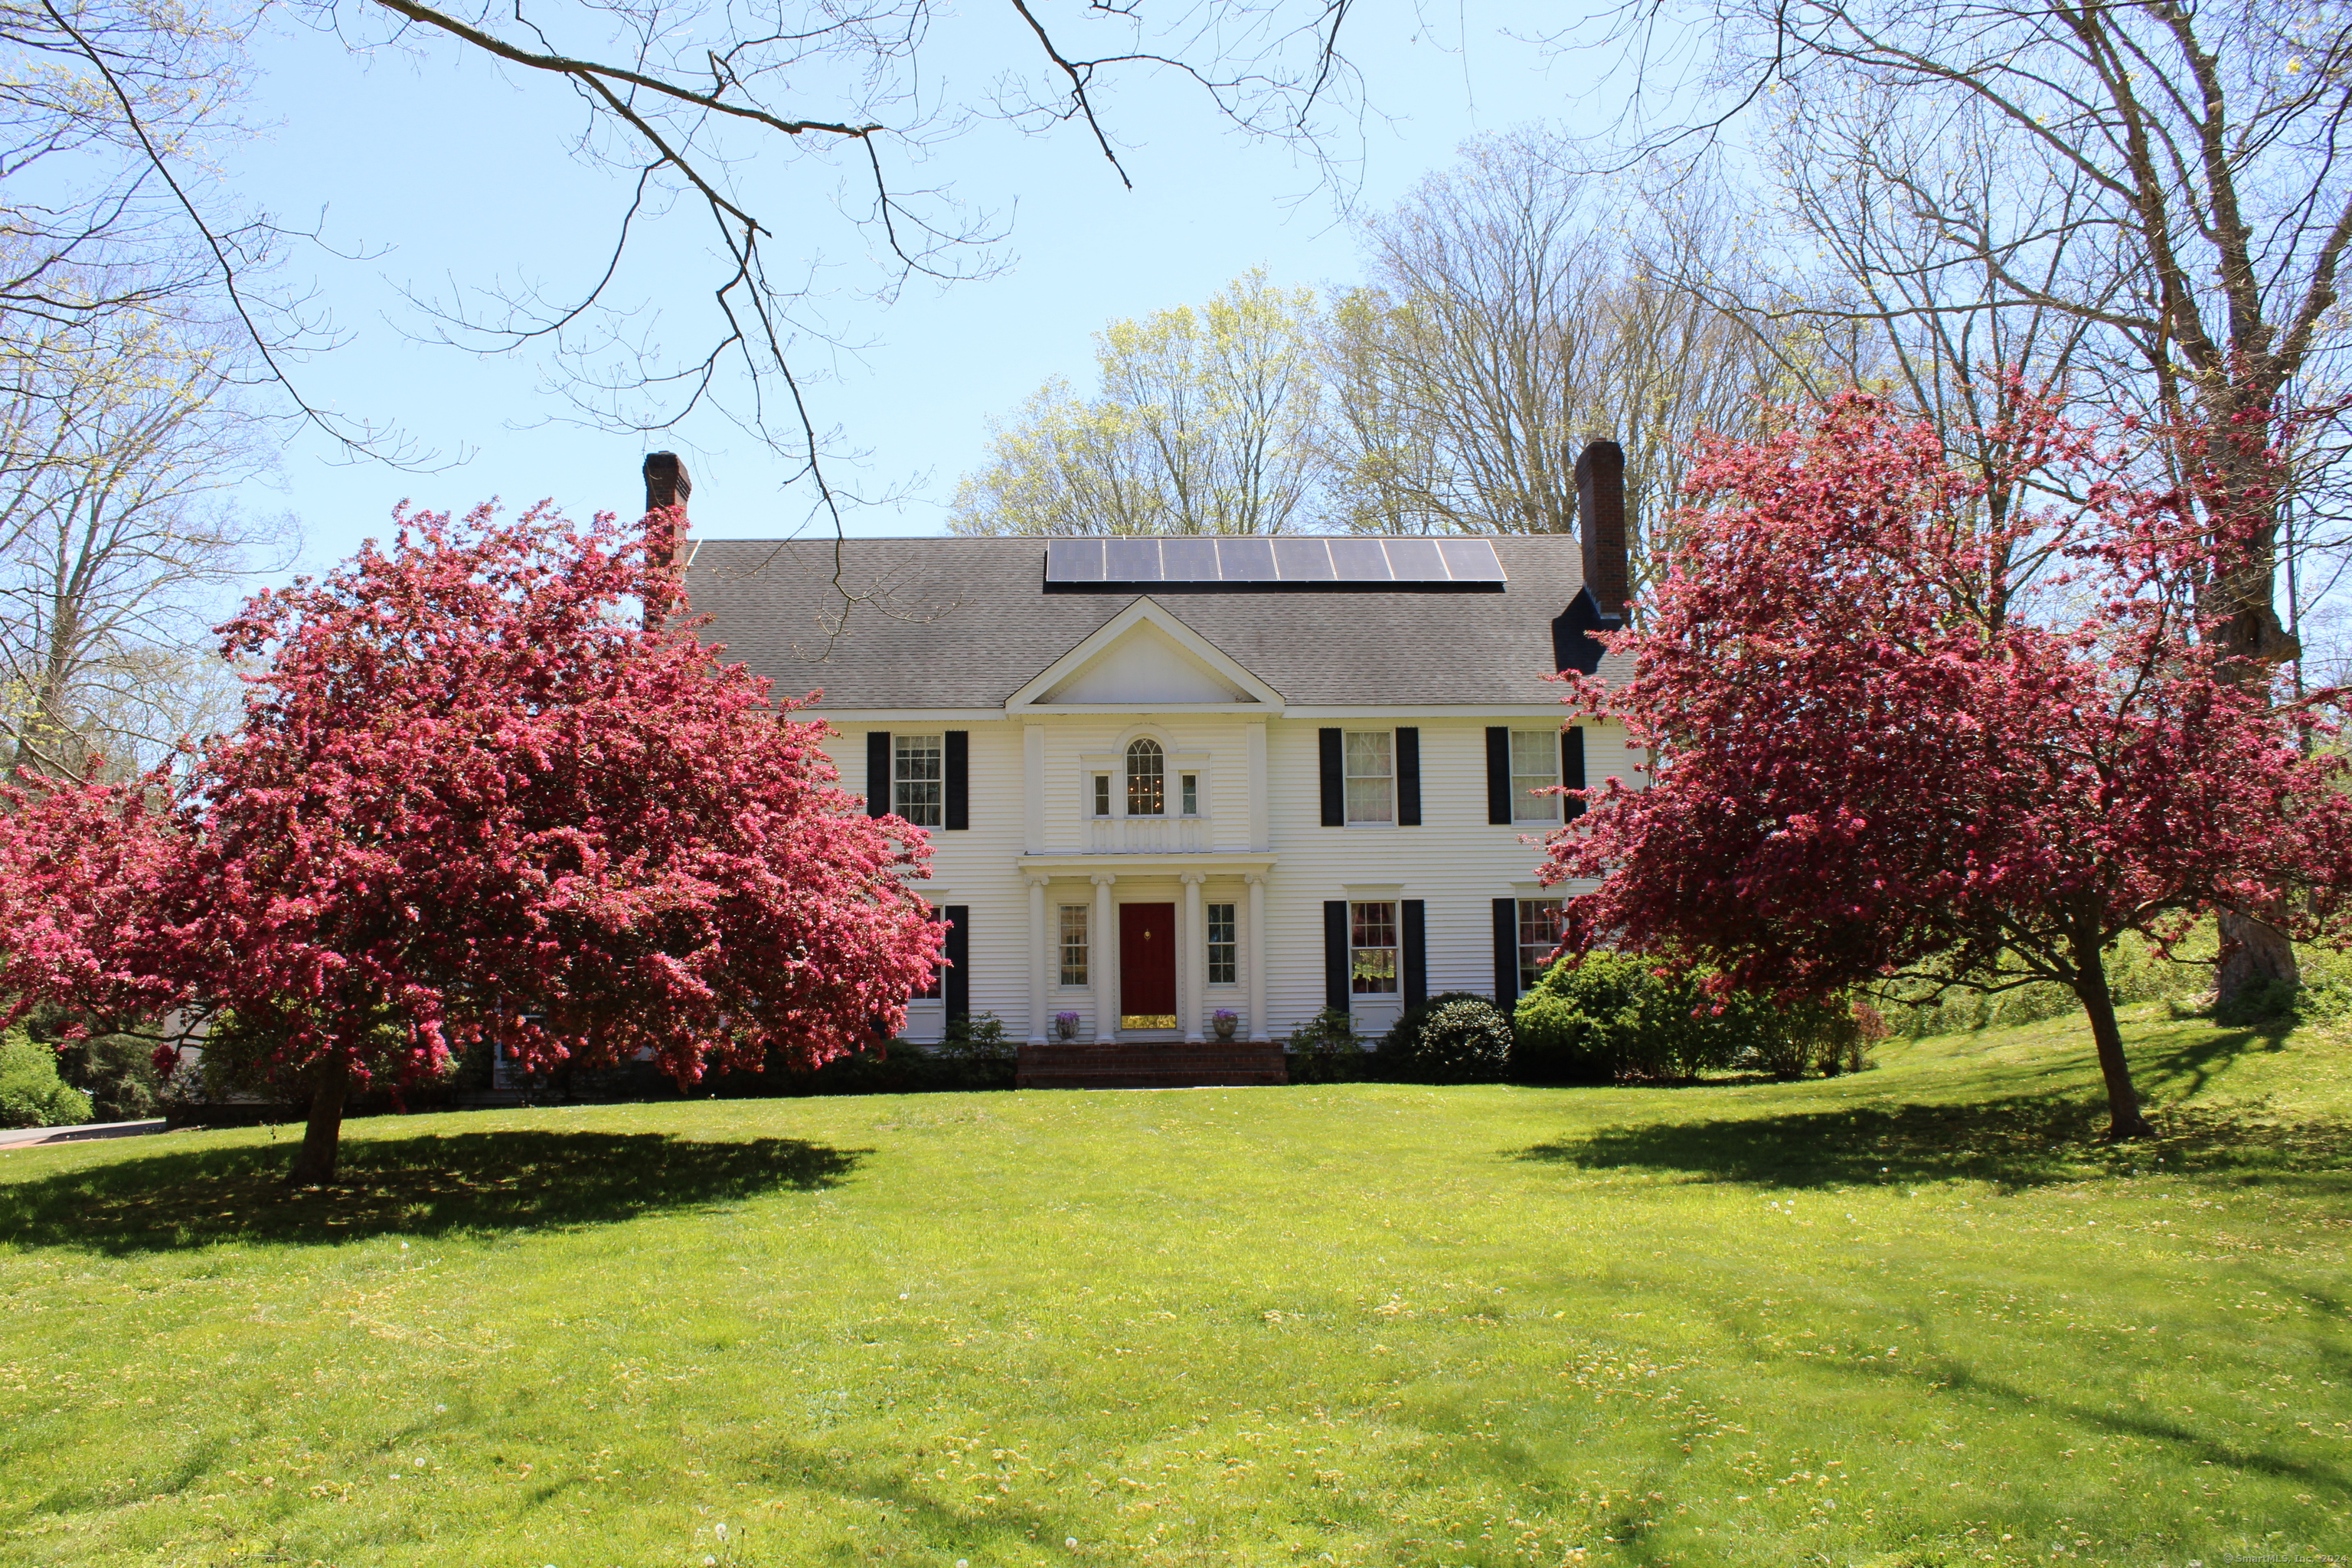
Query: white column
(1104, 957)
(1191, 974)
(1257, 1020)
(1041, 955)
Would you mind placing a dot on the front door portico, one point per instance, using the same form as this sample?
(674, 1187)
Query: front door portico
(1146, 966)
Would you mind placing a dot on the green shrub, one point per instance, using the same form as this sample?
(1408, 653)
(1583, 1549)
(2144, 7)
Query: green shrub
(1326, 1049)
(1458, 1036)
(1399, 1057)
(31, 1092)
(975, 1038)
(1609, 1016)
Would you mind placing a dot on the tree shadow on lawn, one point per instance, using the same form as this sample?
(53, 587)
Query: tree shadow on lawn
(2013, 1142)
(426, 1185)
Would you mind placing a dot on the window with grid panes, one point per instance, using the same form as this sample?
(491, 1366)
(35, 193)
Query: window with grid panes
(1075, 945)
(1535, 765)
(1370, 772)
(1539, 934)
(1223, 947)
(918, 771)
(1147, 780)
(1373, 948)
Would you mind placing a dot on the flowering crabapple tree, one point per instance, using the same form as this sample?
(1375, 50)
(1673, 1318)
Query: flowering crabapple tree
(1896, 733)
(489, 786)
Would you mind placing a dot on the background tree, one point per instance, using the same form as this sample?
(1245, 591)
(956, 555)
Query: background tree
(1204, 423)
(1511, 313)
(1895, 729)
(119, 436)
(476, 798)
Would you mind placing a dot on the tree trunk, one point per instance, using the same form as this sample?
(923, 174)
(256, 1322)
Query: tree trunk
(2252, 952)
(315, 1165)
(2123, 1118)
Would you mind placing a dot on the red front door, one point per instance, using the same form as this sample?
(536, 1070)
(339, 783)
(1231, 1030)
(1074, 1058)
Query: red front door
(1146, 966)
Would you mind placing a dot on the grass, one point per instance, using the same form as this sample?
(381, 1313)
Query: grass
(1913, 1317)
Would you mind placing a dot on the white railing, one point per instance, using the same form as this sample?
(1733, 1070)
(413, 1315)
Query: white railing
(1149, 836)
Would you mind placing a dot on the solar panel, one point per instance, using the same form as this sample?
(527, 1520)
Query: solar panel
(1415, 561)
(1360, 561)
(1074, 561)
(1246, 560)
(1131, 561)
(1206, 563)
(1471, 560)
(1302, 560)
(1187, 561)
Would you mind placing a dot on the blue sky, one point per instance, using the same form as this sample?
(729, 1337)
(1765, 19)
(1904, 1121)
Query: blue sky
(428, 169)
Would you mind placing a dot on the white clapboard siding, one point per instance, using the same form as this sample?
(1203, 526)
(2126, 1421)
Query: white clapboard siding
(1454, 861)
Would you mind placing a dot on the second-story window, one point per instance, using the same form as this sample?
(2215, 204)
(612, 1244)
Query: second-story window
(1147, 780)
(1102, 794)
(1191, 795)
(916, 775)
(1535, 765)
(1372, 775)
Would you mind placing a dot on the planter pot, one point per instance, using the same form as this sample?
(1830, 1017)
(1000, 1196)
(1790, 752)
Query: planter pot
(1226, 1027)
(1065, 1030)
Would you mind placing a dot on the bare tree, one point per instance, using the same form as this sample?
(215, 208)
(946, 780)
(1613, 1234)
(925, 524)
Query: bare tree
(1512, 312)
(117, 541)
(721, 120)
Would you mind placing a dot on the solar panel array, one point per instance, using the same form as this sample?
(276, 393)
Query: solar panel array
(1257, 562)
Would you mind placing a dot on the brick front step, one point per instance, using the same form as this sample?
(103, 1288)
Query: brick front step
(1148, 1067)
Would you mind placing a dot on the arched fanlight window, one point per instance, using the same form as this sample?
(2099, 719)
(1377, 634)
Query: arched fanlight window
(1147, 780)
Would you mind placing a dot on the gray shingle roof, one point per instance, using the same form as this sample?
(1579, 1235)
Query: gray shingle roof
(964, 622)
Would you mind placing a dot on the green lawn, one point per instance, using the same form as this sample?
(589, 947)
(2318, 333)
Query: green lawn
(1912, 1317)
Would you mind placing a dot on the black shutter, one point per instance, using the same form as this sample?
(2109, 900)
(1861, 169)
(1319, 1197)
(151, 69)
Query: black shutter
(1408, 766)
(1335, 784)
(1571, 765)
(1506, 954)
(1498, 772)
(1413, 933)
(1334, 948)
(958, 765)
(877, 773)
(957, 987)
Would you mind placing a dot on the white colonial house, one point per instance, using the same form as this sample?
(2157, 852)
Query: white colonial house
(1170, 777)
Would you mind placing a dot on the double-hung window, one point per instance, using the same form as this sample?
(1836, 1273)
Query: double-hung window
(1370, 772)
(1223, 945)
(1373, 948)
(1535, 766)
(1539, 934)
(1075, 944)
(917, 775)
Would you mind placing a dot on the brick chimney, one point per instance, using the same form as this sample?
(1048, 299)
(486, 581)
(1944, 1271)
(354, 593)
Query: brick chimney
(667, 485)
(1601, 516)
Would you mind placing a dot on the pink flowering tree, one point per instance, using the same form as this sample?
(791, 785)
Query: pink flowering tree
(489, 786)
(1897, 731)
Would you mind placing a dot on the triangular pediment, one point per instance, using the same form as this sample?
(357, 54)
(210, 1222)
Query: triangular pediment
(1144, 658)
